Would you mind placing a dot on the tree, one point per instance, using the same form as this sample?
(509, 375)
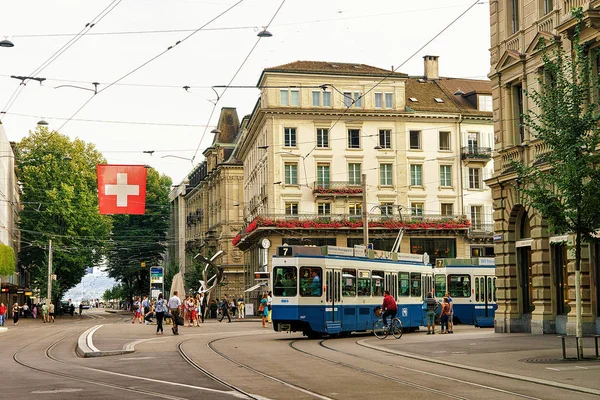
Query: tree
(7, 260)
(563, 183)
(60, 203)
(137, 239)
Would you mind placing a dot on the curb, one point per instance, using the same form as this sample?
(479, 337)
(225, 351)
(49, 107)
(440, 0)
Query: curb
(2, 330)
(85, 346)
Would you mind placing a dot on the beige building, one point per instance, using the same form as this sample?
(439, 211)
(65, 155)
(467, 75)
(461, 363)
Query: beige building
(205, 209)
(534, 267)
(423, 143)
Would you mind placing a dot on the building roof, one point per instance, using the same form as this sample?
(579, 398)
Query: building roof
(228, 125)
(427, 91)
(332, 68)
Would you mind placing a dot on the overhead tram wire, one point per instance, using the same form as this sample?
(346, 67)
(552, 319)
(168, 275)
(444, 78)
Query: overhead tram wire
(57, 54)
(231, 80)
(148, 62)
(399, 66)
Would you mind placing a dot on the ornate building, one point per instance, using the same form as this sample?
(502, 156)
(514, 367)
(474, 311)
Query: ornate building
(423, 145)
(534, 267)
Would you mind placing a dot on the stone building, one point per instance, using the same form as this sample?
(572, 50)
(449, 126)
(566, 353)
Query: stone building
(534, 267)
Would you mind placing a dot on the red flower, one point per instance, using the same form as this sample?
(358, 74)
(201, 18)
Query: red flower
(236, 239)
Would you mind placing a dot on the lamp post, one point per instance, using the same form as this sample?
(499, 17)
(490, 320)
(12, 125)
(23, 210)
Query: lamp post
(49, 296)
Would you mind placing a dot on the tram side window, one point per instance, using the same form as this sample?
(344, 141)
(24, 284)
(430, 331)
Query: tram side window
(440, 285)
(494, 289)
(404, 285)
(415, 284)
(459, 286)
(311, 283)
(377, 282)
(489, 279)
(348, 282)
(364, 283)
(286, 282)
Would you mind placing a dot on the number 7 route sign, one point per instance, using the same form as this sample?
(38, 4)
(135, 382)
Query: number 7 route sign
(121, 189)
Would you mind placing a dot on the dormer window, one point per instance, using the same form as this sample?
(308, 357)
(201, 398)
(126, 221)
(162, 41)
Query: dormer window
(484, 103)
(438, 100)
(413, 99)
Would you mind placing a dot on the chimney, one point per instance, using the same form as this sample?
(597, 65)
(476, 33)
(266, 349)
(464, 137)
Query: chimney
(431, 68)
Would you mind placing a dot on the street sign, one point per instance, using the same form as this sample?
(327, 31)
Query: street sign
(157, 281)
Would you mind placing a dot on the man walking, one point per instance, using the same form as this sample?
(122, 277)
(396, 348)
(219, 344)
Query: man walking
(225, 309)
(51, 312)
(174, 307)
(146, 305)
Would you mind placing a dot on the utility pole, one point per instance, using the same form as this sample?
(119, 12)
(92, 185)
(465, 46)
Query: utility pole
(365, 215)
(49, 297)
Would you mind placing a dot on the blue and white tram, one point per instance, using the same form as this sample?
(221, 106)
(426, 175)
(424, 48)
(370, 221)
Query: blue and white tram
(471, 283)
(328, 290)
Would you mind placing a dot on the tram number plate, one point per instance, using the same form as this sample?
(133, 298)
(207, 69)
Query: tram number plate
(404, 312)
(284, 327)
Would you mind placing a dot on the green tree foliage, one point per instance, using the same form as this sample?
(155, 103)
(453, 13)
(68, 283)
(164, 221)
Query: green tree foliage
(114, 293)
(7, 260)
(60, 203)
(137, 239)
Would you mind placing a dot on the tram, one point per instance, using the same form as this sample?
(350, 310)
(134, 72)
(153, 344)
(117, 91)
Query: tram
(471, 283)
(334, 290)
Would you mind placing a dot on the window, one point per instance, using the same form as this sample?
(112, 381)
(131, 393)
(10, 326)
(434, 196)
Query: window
(322, 137)
(439, 283)
(326, 99)
(415, 284)
(355, 209)
(387, 208)
(415, 140)
(485, 103)
(311, 284)
(285, 282)
(348, 282)
(459, 285)
(289, 137)
(548, 6)
(476, 217)
(416, 175)
(354, 174)
(289, 97)
(291, 208)
(518, 111)
(378, 100)
(389, 100)
(474, 178)
(447, 209)
(385, 174)
(473, 142)
(445, 175)
(416, 209)
(445, 141)
(385, 138)
(316, 99)
(323, 174)
(290, 173)
(321, 98)
(514, 15)
(354, 138)
(436, 248)
(353, 99)
(403, 283)
(377, 283)
(364, 283)
(324, 208)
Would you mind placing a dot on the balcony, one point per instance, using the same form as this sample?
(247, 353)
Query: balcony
(337, 189)
(476, 154)
(479, 230)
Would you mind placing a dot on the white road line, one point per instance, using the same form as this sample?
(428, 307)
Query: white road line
(56, 391)
(135, 358)
(89, 339)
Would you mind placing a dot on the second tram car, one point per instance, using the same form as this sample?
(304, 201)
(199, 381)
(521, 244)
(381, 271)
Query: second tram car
(330, 290)
(471, 282)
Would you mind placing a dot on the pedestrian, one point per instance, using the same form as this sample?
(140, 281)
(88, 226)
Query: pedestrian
(225, 309)
(15, 312)
(263, 309)
(430, 305)
(234, 306)
(137, 311)
(241, 307)
(190, 308)
(160, 308)
(80, 308)
(148, 316)
(51, 312)
(34, 311)
(451, 319)
(269, 301)
(25, 310)
(146, 305)
(174, 307)
(71, 310)
(202, 303)
(45, 312)
(445, 315)
(3, 312)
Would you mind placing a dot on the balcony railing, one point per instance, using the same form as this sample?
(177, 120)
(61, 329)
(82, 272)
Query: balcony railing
(476, 153)
(337, 188)
(481, 230)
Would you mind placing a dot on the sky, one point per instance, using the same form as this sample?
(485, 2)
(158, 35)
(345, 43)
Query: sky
(143, 115)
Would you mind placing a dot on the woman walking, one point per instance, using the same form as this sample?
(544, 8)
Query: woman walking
(263, 310)
(15, 311)
(160, 307)
(241, 307)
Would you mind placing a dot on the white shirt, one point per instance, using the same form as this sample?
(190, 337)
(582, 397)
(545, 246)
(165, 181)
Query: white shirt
(174, 302)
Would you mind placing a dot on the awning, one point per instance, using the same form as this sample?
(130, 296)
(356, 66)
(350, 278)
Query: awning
(253, 288)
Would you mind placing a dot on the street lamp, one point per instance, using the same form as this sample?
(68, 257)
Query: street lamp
(6, 43)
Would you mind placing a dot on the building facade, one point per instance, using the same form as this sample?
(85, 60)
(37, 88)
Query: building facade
(535, 269)
(324, 134)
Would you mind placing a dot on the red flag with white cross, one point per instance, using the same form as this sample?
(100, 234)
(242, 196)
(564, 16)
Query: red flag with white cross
(121, 189)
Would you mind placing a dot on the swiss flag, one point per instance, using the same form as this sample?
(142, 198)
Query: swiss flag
(121, 189)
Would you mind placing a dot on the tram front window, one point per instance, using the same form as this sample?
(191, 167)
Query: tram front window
(310, 281)
(286, 282)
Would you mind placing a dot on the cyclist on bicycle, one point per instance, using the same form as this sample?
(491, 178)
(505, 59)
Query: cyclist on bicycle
(389, 307)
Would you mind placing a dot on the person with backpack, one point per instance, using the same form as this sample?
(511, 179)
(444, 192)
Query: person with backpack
(430, 305)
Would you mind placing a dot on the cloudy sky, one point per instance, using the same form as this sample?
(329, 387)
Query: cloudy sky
(141, 105)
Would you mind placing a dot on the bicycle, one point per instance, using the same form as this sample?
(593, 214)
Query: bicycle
(381, 331)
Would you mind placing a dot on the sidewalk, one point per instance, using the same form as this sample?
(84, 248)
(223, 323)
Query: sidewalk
(534, 358)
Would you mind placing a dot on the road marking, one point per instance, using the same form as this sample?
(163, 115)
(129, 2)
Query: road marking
(57, 391)
(89, 339)
(135, 358)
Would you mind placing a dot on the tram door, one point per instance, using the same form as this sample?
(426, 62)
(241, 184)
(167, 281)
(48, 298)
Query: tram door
(485, 296)
(333, 306)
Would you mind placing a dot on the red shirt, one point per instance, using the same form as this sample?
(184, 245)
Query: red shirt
(2, 310)
(389, 303)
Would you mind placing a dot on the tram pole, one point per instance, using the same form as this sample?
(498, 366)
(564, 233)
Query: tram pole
(365, 215)
(49, 273)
